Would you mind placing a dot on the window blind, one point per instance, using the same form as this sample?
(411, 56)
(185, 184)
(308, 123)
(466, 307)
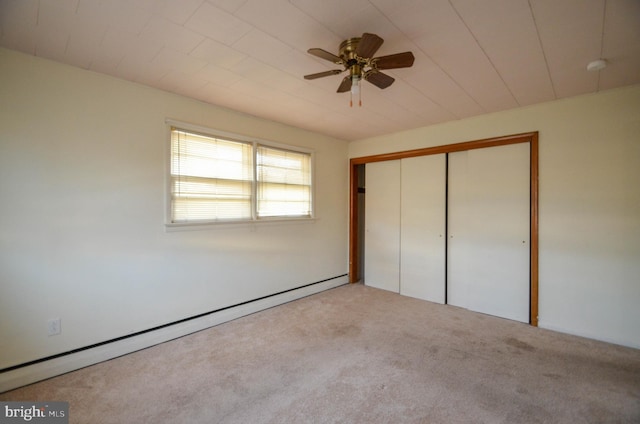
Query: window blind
(211, 178)
(283, 183)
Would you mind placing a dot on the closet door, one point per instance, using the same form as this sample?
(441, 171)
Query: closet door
(382, 225)
(422, 227)
(488, 246)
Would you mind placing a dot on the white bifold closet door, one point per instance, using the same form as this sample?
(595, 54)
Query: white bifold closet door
(382, 225)
(422, 227)
(405, 226)
(488, 229)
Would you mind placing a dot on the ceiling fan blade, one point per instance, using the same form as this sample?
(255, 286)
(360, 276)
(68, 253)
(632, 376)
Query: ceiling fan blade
(379, 79)
(345, 85)
(323, 54)
(368, 45)
(398, 60)
(323, 74)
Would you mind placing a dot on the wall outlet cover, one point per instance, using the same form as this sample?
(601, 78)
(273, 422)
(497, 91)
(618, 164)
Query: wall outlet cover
(54, 327)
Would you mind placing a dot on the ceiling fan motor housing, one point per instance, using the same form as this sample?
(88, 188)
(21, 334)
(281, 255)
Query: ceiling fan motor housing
(351, 60)
(348, 48)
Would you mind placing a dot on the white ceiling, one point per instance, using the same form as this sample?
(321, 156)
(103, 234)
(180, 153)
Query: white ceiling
(472, 56)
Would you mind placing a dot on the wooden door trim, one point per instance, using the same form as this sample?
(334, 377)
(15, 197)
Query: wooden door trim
(531, 137)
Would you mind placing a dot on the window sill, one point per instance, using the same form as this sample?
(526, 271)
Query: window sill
(210, 225)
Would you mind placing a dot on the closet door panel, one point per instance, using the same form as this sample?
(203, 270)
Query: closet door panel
(422, 227)
(489, 230)
(457, 244)
(382, 225)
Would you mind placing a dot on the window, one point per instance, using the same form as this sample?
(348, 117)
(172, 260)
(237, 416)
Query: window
(284, 182)
(211, 179)
(216, 179)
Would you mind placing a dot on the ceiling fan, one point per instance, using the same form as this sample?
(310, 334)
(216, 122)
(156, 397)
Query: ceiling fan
(356, 56)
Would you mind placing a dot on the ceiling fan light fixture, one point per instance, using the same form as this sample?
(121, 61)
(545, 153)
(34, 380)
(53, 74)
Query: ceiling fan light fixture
(355, 90)
(355, 84)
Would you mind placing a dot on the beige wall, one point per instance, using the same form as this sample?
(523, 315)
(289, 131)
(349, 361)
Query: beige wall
(589, 204)
(82, 212)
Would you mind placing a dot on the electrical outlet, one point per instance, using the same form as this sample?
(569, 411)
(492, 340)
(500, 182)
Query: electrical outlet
(54, 327)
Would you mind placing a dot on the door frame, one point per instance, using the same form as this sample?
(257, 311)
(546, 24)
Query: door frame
(355, 250)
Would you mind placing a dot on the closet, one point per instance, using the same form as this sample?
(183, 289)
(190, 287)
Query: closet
(452, 228)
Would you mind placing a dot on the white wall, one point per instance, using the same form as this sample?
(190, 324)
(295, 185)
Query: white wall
(589, 204)
(82, 212)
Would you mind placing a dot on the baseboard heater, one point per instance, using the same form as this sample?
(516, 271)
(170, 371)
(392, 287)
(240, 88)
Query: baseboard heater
(61, 363)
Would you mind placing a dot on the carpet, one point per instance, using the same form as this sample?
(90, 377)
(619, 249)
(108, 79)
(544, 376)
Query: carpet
(355, 354)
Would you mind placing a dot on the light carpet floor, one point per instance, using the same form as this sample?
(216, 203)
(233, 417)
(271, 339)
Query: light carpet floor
(355, 354)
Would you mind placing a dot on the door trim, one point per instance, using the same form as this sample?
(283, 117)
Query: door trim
(532, 138)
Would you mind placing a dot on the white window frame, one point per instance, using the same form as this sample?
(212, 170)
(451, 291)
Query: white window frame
(255, 142)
